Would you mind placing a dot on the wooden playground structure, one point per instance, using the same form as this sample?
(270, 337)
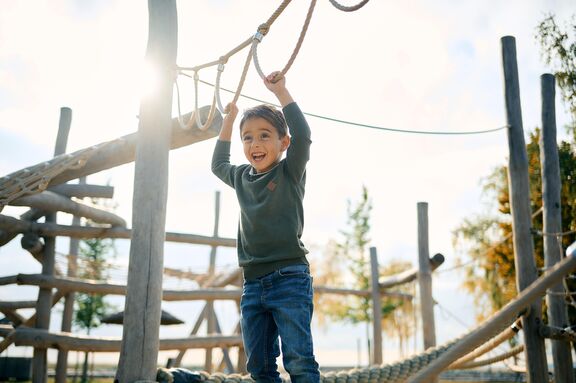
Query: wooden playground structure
(43, 188)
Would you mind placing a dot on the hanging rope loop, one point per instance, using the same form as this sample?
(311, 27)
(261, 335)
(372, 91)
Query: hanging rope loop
(350, 8)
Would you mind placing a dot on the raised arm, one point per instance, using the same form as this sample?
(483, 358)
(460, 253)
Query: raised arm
(298, 152)
(221, 166)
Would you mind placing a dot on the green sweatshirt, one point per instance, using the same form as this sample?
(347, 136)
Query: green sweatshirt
(271, 213)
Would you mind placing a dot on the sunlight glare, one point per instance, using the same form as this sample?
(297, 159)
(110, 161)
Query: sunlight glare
(149, 78)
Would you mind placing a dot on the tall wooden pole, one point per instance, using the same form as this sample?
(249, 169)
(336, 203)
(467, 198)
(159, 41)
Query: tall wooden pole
(44, 304)
(425, 280)
(552, 213)
(537, 369)
(211, 315)
(140, 341)
(376, 308)
(68, 313)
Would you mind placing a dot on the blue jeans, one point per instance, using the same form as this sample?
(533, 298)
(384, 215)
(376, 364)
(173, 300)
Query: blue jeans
(279, 304)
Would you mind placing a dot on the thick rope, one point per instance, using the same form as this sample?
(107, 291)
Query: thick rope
(498, 358)
(505, 335)
(294, 52)
(351, 8)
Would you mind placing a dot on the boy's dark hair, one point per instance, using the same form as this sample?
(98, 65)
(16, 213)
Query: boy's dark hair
(270, 114)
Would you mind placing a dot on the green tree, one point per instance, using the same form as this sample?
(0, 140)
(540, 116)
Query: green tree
(91, 308)
(347, 262)
(559, 51)
(488, 239)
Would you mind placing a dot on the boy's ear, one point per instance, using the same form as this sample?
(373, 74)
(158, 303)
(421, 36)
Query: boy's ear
(285, 142)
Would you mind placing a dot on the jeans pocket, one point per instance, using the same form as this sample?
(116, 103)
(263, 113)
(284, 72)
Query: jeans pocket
(294, 270)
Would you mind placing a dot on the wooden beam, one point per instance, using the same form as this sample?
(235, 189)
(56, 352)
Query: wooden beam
(51, 229)
(519, 190)
(425, 278)
(552, 215)
(52, 202)
(123, 150)
(26, 336)
(83, 190)
(376, 308)
(409, 275)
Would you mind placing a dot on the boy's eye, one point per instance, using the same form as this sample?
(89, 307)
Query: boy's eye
(246, 138)
(265, 136)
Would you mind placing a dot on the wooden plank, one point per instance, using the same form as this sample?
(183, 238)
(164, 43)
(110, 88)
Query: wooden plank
(83, 190)
(82, 232)
(519, 188)
(44, 305)
(52, 202)
(123, 150)
(68, 312)
(552, 215)
(26, 336)
(425, 278)
(376, 308)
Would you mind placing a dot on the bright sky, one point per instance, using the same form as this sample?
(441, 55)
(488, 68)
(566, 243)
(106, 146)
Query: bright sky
(415, 65)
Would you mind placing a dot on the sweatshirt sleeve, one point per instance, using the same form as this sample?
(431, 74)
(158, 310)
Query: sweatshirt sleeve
(221, 166)
(298, 152)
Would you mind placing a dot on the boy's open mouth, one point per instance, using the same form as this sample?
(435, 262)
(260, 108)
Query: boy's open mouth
(258, 156)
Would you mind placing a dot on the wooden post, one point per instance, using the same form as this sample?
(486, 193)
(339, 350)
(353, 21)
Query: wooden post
(44, 304)
(537, 369)
(425, 278)
(68, 313)
(376, 308)
(552, 213)
(140, 341)
(211, 315)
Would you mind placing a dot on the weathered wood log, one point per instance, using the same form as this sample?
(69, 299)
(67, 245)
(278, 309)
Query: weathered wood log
(16, 305)
(52, 202)
(376, 309)
(47, 230)
(552, 216)
(557, 333)
(83, 190)
(97, 287)
(123, 150)
(13, 316)
(409, 275)
(519, 187)
(25, 336)
(425, 279)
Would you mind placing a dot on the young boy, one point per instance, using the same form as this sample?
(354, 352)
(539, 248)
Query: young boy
(277, 293)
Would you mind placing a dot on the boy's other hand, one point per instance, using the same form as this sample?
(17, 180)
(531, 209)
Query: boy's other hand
(275, 82)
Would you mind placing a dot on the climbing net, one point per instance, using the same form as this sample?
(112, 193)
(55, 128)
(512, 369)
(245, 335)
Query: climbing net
(252, 42)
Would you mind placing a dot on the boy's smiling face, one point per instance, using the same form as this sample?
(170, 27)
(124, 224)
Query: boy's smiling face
(263, 147)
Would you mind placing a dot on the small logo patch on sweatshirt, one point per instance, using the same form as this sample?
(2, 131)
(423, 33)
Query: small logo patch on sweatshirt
(271, 186)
